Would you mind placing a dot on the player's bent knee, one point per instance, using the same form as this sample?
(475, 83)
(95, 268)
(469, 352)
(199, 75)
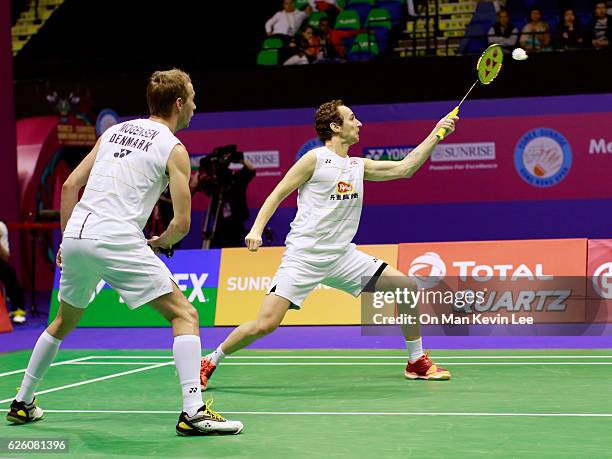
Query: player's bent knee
(265, 327)
(189, 314)
(194, 316)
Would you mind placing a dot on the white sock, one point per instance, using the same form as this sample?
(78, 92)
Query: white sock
(216, 355)
(187, 353)
(415, 349)
(42, 356)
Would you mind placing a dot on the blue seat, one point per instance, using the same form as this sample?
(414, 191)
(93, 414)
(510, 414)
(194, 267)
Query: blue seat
(485, 9)
(382, 38)
(362, 9)
(519, 22)
(395, 9)
(477, 41)
(552, 22)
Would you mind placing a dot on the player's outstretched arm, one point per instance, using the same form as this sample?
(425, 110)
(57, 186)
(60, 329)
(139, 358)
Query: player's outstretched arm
(293, 179)
(391, 170)
(179, 172)
(73, 184)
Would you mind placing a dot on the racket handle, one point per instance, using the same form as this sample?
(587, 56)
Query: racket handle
(442, 132)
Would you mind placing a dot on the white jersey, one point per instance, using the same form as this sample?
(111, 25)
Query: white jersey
(329, 206)
(126, 180)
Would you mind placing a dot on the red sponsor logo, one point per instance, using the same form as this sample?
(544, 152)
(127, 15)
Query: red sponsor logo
(344, 187)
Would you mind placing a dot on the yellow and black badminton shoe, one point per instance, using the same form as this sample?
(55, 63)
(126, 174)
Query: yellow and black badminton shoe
(206, 422)
(22, 413)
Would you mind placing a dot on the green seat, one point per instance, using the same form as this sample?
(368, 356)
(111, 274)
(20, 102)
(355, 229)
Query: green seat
(348, 20)
(299, 4)
(272, 43)
(363, 2)
(267, 57)
(364, 45)
(379, 17)
(314, 18)
(341, 4)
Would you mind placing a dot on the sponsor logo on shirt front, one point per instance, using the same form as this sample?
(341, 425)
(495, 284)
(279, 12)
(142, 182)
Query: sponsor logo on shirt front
(344, 187)
(344, 192)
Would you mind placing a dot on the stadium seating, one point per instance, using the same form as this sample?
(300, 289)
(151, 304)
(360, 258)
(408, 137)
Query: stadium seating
(378, 17)
(362, 9)
(364, 47)
(348, 20)
(395, 9)
(314, 18)
(31, 20)
(267, 57)
(272, 43)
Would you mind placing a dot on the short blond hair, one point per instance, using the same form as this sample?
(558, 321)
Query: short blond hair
(164, 88)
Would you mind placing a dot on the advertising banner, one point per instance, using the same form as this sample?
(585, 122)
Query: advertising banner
(546, 281)
(599, 277)
(543, 280)
(196, 273)
(245, 277)
(487, 159)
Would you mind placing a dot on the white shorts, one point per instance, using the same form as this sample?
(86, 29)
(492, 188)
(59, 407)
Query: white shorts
(297, 276)
(130, 268)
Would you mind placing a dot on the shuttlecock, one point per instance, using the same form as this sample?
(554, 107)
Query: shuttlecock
(519, 54)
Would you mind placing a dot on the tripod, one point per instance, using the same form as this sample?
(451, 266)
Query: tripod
(209, 225)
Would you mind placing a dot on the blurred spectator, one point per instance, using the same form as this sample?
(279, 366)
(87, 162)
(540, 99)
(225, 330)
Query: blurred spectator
(328, 53)
(569, 31)
(328, 6)
(307, 47)
(298, 58)
(286, 22)
(600, 28)
(535, 35)
(503, 32)
(8, 277)
(310, 43)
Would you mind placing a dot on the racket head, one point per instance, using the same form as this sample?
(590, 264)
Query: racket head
(490, 64)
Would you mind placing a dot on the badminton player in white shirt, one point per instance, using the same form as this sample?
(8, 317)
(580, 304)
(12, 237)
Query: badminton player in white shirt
(319, 247)
(124, 175)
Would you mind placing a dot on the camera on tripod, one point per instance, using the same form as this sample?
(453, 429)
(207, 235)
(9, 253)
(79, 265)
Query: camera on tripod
(214, 172)
(217, 179)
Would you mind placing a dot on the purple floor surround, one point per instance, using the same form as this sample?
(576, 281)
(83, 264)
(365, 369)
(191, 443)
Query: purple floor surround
(294, 337)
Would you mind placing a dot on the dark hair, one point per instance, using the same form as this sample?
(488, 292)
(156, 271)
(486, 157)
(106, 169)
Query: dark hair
(164, 88)
(326, 114)
(565, 10)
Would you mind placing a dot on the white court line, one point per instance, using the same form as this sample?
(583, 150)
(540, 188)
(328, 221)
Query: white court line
(65, 362)
(392, 363)
(89, 381)
(117, 363)
(346, 363)
(339, 413)
(456, 357)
